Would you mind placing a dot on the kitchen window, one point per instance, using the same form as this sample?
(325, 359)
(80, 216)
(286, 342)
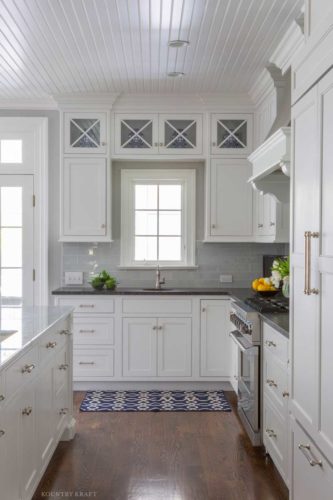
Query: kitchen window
(157, 218)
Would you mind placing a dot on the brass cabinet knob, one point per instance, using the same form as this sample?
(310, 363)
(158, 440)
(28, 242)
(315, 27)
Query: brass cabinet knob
(27, 411)
(64, 332)
(271, 433)
(28, 368)
(63, 367)
(2, 397)
(51, 345)
(285, 394)
(63, 411)
(2, 433)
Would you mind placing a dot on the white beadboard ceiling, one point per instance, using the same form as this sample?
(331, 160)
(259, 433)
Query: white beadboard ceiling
(50, 47)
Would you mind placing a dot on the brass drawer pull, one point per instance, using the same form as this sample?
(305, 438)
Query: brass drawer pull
(87, 305)
(86, 362)
(51, 345)
(307, 264)
(285, 394)
(63, 411)
(2, 397)
(28, 368)
(270, 343)
(87, 331)
(271, 433)
(306, 450)
(27, 411)
(63, 367)
(2, 433)
(271, 382)
(64, 332)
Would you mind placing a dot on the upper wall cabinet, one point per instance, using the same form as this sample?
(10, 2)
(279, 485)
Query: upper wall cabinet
(271, 221)
(85, 200)
(85, 132)
(229, 201)
(180, 134)
(149, 134)
(231, 134)
(136, 134)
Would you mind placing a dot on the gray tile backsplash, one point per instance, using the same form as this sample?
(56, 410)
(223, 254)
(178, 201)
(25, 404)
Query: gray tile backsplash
(242, 260)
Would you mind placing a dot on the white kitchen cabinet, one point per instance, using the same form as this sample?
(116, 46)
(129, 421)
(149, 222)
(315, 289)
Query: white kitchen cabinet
(214, 337)
(231, 134)
(275, 398)
(180, 134)
(174, 347)
(85, 200)
(139, 347)
(229, 201)
(158, 134)
(85, 133)
(157, 347)
(312, 280)
(136, 134)
(27, 420)
(271, 222)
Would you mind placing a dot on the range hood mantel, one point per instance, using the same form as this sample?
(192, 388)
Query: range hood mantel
(271, 165)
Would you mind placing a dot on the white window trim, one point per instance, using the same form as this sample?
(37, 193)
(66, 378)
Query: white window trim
(128, 181)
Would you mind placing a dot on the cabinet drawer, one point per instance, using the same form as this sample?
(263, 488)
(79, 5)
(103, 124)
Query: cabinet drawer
(89, 363)
(275, 381)
(21, 371)
(154, 306)
(88, 304)
(275, 343)
(275, 432)
(309, 481)
(96, 330)
(50, 344)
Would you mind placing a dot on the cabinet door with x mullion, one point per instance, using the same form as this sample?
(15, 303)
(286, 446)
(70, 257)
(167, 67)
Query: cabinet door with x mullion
(231, 134)
(85, 132)
(136, 134)
(180, 134)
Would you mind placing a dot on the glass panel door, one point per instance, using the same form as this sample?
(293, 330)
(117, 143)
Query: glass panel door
(136, 134)
(180, 134)
(16, 240)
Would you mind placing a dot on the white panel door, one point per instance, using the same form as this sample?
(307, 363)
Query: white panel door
(16, 240)
(215, 342)
(140, 347)
(325, 337)
(85, 197)
(231, 208)
(174, 347)
(304, 308)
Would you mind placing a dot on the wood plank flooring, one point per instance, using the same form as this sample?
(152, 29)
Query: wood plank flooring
(160, 456)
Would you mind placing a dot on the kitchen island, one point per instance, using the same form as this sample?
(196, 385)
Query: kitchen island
(35, 393)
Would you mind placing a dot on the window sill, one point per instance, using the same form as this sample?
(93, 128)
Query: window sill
(153, 268)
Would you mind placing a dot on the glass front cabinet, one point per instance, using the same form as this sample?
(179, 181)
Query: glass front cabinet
(231, 134)
(158, 134)
(85, 133)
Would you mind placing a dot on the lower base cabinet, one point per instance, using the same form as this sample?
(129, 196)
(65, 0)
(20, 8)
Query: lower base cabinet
(157, 347)
(311, 473)
(36, 411)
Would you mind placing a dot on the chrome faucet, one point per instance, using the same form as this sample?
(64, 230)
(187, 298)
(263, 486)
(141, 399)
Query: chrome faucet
(159, 281)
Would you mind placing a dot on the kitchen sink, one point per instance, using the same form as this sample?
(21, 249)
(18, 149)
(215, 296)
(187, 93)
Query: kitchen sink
(4, 334)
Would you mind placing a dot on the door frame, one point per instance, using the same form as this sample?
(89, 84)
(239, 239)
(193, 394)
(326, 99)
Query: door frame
(37, 128)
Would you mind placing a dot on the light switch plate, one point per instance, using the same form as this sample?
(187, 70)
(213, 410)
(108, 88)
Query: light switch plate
(225, 278)
(73, 278)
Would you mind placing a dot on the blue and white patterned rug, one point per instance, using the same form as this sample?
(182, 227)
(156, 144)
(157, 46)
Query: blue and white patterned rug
(155, 401)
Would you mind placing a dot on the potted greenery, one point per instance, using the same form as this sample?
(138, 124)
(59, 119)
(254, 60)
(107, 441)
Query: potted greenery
(280, 272)
(103, 279)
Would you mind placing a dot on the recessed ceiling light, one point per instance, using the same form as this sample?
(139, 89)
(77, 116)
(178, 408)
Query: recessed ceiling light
(178, 43)
(176, 74)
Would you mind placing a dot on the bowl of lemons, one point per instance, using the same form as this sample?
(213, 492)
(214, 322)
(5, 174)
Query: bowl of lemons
(264, 287)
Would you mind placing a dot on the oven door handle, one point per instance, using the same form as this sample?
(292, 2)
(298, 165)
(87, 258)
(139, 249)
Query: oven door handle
(236, 337)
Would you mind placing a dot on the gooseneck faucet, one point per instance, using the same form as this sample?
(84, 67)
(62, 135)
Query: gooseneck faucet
(159, 281)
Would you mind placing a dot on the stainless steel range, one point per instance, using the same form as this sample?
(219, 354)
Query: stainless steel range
(247, 336)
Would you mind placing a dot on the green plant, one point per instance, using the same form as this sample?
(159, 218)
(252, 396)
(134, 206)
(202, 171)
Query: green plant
(111, 283)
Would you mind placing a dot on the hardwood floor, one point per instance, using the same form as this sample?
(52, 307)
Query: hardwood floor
(160, 456)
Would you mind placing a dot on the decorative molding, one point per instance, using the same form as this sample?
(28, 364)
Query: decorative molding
(289, 46)
(45, 103)
(272, 155)
(86, 100)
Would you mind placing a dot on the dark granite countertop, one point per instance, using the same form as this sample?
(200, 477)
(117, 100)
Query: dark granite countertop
(278, 321)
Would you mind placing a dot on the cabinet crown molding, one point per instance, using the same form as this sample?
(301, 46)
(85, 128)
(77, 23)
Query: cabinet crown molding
(86, 100)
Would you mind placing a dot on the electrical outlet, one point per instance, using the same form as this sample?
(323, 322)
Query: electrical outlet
(225, 278)
(73, 278)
